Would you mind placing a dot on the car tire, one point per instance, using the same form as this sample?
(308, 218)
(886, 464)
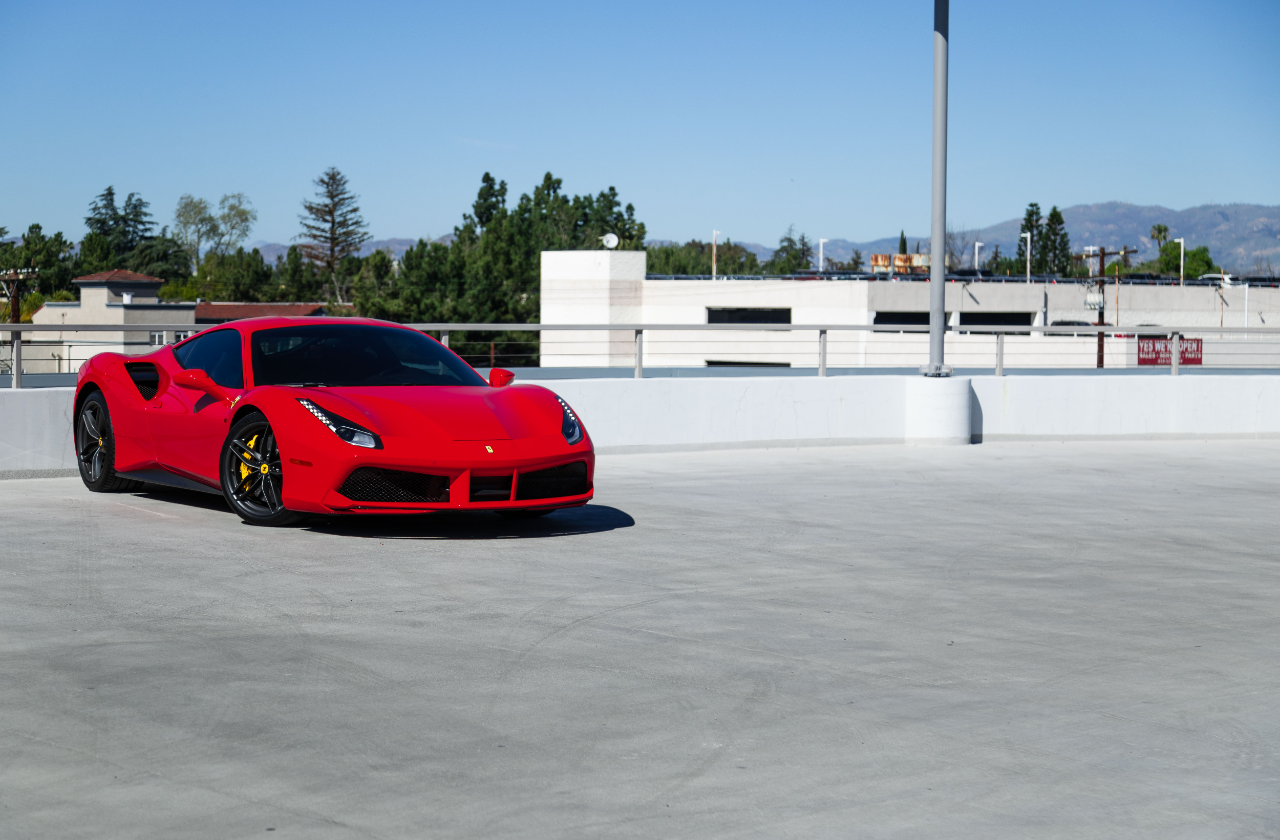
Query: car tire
(251, 475)
(96, 448)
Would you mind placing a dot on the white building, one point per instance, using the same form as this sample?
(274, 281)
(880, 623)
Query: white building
(609, 287)
(109, 297)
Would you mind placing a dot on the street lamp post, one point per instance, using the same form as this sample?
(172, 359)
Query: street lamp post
(821, 242)
(714, 234)
(977, 246)
(1027, 236)
(938, 231)
(1182, 261)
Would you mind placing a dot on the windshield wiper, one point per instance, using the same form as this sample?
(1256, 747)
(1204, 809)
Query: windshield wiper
(303, 384)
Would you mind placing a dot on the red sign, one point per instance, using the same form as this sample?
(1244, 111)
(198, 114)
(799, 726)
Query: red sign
(1157, 350)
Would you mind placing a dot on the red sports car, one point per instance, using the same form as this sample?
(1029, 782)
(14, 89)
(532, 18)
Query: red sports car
(288, 416)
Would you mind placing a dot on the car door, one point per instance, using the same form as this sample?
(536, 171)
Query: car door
(189, 425)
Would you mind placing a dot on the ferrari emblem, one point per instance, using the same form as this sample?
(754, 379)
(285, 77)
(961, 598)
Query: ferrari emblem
(489, 449)
(264, 469)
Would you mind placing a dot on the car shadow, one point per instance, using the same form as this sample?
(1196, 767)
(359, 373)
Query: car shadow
(179, 496)
(479, 525)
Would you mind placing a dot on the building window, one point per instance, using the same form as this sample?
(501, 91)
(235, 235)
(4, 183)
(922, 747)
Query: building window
(157, 339)
(182, 335)
(745, 315)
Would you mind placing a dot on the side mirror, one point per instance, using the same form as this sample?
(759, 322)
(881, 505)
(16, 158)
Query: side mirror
(499, 377)
(200, 381)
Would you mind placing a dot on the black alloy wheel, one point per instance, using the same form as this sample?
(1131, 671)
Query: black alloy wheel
(96, 448)
(252, 479)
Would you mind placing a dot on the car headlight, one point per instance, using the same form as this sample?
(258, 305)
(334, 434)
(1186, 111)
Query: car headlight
(352, 433)
(569, 425)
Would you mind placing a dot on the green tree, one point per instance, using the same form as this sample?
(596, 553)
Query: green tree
(124, 227)
(792, 254)
(96, 254)
(1055, 252)
(1032, 223)
(332, 228)
(853, 265)
(160, 256)
(48, 255)
(491, 198)
(489, 272)
(194, 225)
(694, 258)
(1160, 233)
(1198, 261)
(233, 223)
(902, 243)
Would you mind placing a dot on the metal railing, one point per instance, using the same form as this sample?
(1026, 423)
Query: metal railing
(901, 346)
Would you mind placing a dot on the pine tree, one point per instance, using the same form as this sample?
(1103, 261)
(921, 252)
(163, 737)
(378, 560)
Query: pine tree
(1057, 244)
(332, 228)
(1032, 223)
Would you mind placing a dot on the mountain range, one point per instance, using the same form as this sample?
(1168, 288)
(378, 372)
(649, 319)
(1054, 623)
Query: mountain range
(1241, 237)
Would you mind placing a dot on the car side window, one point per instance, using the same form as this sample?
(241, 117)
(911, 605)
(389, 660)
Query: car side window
(217, 354)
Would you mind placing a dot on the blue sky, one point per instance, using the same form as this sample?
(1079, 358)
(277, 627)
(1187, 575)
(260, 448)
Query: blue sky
(745, 117)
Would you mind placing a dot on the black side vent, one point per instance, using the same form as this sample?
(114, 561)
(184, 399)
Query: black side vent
(145, 378)
(370, 484)
(564, 480)
(490, 488)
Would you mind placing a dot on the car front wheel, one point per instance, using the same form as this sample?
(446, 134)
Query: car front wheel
(252, 479)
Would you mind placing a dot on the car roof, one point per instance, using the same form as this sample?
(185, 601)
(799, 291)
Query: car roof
(272, 321)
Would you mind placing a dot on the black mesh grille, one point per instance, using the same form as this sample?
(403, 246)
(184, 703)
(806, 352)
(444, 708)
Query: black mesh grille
(564, 480)
(490, 488)
(370, 484)
(145, 378)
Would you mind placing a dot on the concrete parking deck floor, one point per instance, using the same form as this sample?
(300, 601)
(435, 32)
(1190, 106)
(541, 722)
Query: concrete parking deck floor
(1021, 641)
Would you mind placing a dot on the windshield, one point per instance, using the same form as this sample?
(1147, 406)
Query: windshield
(352, 355)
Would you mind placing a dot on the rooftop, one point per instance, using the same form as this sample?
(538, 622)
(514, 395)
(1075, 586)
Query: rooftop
(116, 275)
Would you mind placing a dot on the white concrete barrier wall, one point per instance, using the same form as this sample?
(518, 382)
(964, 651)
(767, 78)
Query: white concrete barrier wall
(35, 432)
(628, 415)
(1135, 407)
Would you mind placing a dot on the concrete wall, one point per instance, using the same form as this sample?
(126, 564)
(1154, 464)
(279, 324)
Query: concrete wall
(35, 433)
(628, 415)
(674, 414)
(590, 287)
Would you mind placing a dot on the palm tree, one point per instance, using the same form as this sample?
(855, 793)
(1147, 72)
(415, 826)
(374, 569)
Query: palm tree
(1160, 233)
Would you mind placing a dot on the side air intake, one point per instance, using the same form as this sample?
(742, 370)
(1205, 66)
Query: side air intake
(145, 378)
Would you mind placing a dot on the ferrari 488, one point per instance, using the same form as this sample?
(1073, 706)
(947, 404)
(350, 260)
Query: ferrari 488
(290, 416)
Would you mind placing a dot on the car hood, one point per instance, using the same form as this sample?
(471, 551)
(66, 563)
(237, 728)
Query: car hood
(448, 412)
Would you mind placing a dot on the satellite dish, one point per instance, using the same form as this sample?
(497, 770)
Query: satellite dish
(610, 240)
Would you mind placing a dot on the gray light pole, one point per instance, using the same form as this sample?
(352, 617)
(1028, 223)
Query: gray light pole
(938, 231)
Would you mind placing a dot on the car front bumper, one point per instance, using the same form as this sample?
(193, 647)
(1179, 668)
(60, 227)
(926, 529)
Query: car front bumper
(411, 477)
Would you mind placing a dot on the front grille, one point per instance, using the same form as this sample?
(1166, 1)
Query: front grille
(370, 484)
(490, 488)
(564, 480)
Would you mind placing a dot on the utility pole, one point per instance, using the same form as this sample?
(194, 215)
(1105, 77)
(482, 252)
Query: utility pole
(977, 246)
(1182, 261)
(938, 228)
(821, 242)
(1101, 282)
(714, 234)
(1028, 237)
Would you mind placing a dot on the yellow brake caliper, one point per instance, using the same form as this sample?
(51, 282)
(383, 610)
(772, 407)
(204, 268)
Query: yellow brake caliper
(244, 471)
